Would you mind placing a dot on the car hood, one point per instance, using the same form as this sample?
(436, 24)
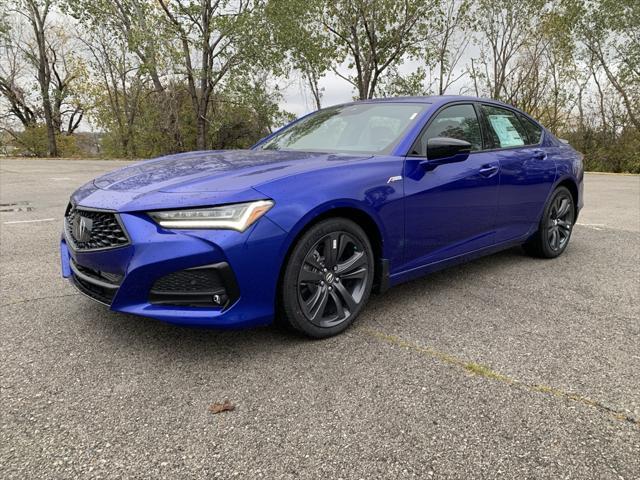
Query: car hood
(215, 171)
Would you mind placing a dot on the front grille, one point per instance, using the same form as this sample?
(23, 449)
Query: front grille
(93, 229)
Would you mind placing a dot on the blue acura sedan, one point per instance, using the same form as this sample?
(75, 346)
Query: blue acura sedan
(306, 224)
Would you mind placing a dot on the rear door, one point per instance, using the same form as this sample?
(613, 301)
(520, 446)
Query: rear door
(449, 210)
(527, 172)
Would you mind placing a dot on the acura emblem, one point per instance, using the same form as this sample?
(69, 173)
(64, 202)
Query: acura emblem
(82, 229)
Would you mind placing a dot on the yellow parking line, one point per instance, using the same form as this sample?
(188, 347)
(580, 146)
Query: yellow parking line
(484, 371)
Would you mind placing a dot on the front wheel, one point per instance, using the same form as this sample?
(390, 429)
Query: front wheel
(328, 278)
(555, 227)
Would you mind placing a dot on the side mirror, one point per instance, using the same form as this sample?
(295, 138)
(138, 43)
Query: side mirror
(446, 150)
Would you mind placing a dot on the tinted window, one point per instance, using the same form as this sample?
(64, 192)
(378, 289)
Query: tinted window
(457, 121)
(505, 130)
(534, 132)
(361, 127)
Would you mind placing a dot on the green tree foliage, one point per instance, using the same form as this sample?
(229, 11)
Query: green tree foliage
(162, 76)
(210, 39)
(40, 76)
(241, 114)
(605, 41)
(33, 141)
(610, 31)
(173, 76)
(296, 32)
(373, 36)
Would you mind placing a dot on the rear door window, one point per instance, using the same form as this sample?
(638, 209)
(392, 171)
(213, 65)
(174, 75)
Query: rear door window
(505, 130)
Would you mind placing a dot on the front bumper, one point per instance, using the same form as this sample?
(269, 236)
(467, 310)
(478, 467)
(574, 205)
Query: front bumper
(251, 258)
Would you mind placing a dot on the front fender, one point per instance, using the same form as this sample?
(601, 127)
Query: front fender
(320, 210)
(359, 185)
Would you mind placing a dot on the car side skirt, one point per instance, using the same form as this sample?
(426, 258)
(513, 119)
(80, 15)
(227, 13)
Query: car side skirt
(414, 273)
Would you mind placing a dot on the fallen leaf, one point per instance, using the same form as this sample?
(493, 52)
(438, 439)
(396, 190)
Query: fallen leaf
(225, 406)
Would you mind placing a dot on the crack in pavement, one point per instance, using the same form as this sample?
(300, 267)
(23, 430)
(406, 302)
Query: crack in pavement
(487, 372)
(27, 300)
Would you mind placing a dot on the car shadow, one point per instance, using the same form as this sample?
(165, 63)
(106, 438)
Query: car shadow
(441, 280)
(133, 333)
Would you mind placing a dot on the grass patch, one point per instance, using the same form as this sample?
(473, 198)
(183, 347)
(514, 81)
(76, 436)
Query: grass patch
(486, 372)
(483, 371)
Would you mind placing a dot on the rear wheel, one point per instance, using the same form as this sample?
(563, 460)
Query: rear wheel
(328, 278)
(555, 227)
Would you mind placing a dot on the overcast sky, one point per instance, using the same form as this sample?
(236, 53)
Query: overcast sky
(299, 101)
(296, 96)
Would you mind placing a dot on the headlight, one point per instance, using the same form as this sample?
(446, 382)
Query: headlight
(238, 216)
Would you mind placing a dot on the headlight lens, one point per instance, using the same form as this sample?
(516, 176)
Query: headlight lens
(237, 216)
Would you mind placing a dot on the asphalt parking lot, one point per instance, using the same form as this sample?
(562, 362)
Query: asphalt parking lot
(507, 367)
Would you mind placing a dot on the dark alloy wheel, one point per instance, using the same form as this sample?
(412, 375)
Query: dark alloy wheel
(328, 278)
(556, 226)
(560, 222)
(332, 279)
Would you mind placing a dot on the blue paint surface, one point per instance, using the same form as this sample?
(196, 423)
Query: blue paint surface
(426, 219)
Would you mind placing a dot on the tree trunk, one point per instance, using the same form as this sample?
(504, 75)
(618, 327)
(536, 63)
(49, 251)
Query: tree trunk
(312, 81)
(316, 94)
(48, 118)
(625, 98)
(201, 131)
(44, 74)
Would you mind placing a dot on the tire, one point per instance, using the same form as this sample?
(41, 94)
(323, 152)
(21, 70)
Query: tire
(555, 228)
(328, 278)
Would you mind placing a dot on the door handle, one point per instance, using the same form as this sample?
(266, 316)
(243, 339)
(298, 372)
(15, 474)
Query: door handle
(488, 170)
(539, 155)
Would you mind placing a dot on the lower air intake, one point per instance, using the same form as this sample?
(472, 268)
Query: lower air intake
(206, 286)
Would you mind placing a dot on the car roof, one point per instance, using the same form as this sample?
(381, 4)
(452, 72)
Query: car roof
(433, 99)
(438, 100)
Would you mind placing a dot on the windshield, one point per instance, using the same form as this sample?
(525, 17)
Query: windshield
(356, 128)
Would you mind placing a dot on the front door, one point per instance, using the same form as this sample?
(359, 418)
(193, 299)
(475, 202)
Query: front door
(451, 209)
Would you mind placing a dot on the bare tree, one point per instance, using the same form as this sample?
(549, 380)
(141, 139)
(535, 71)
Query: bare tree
(375, 35)
(206, 31)
(120, 78)
(311, 75)
(66, 71)
(13, 73)
(451, 43)
(598, 52)
(56, 72)
(505, 28)
(135, 21)
(37, 13)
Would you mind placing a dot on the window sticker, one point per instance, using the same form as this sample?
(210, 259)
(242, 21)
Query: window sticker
(413, 115)
(507, 133)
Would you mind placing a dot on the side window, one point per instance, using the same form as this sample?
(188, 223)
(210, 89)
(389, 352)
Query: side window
(505, 130)
(457, 121)
(534, 132)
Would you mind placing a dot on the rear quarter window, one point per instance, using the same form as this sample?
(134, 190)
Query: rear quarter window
(533, 131)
